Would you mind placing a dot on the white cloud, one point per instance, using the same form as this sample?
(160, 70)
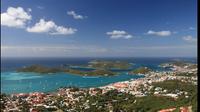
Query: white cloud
(51, 28)
(52, 50)
(160, 51)
(116, 34)
(15, 17)
(75, 15)
(161, 47)
(78, 50)
(191, 28)
(29, 9)
(159, 33)
(190, 39)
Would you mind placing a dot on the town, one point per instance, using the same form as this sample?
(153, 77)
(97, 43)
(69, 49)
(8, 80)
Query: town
(176, 89)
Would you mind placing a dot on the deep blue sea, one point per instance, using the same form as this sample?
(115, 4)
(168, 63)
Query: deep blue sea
(13, 82)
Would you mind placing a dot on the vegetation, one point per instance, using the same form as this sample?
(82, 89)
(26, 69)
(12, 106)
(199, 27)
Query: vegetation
(174, 85)
(124, 102)
(180, 64)
(117, 101)
(45, 70)
(101, 68)
(193, 66)
(186, 74)
(177, 85)
(39, 69)
(141, 70)
(2, 103)
(109, 64)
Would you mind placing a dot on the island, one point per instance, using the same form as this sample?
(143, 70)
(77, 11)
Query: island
(108, 64)
(48, 70)
(159, 91)
(141, 70)
(94, 68)
(39, 69)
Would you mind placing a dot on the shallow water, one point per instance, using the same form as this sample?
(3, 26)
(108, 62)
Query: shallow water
(13, 82)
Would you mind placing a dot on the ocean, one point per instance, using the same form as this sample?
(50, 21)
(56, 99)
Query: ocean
(14, 82)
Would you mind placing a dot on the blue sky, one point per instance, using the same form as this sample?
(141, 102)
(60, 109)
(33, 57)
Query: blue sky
(99, 28)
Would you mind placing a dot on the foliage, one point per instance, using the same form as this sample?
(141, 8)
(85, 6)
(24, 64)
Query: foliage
(39, 69)
(45, 70)
(141, 70)
(109, 64)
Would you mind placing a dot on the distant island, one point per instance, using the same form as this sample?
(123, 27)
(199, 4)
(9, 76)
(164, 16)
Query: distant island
(141, 70)
(47, 70)
(98, 68)
(39, 69)
(160, 91)
(105, 64)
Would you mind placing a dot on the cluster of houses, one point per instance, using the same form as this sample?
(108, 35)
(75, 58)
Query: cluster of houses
(48, 101)
(137, 87)
(182, 109)
(143, 86)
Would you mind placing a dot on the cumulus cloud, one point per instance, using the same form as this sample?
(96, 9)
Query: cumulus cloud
(159, 33)
(116, 34)
(75, 15)
(15, 17)
(51, 28)
(190, 39)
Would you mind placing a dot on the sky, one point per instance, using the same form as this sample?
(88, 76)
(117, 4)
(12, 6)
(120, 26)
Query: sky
(99, 28)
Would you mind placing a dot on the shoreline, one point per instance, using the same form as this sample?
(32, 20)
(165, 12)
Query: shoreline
(143, 79)
(138, 77)
(171, 86)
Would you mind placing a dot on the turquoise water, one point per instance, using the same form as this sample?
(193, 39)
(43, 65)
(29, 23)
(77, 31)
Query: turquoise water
(13, 82)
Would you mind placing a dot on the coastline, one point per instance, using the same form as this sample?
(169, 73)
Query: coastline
(63, 79)
(170, 86)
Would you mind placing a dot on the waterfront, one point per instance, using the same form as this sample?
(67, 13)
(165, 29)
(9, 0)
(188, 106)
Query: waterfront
(13, 82)
(176, 89)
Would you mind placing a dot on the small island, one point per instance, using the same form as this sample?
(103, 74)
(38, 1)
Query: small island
(47, 70)
(39, 69)
(105, 64)
(141, 70)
